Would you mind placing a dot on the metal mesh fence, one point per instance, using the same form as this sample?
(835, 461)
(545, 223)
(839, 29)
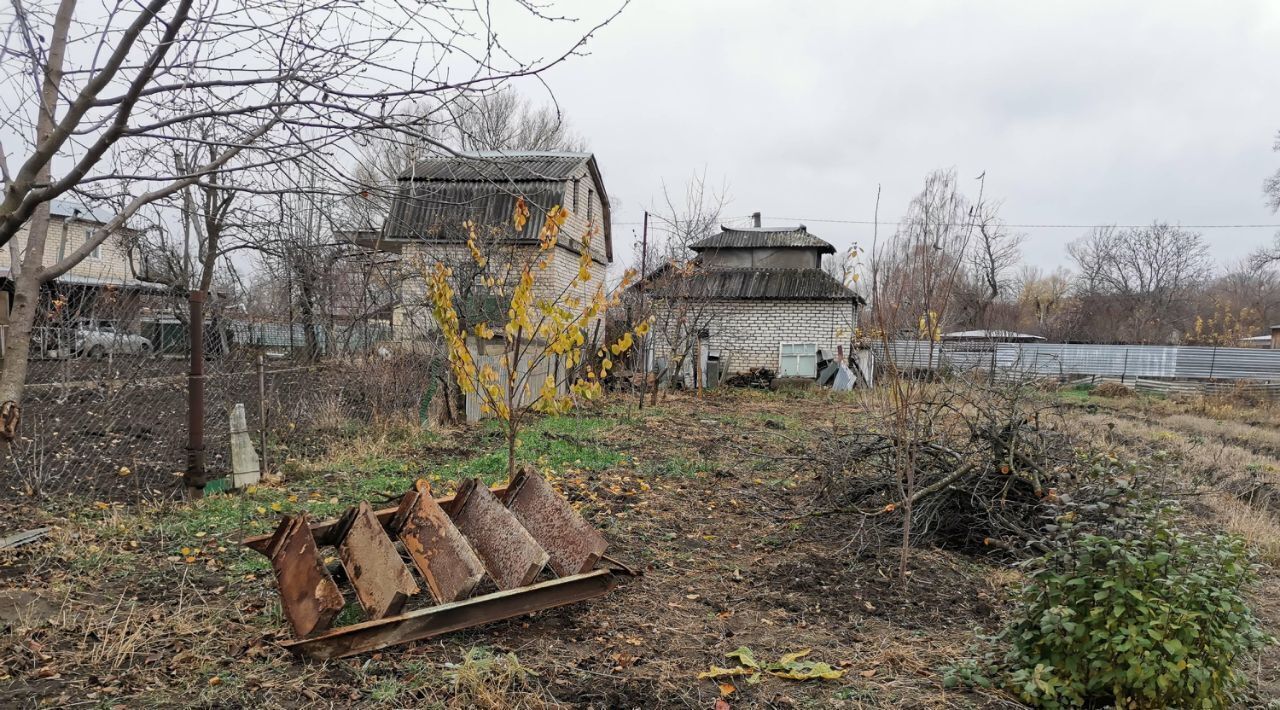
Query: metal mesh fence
(105, 407)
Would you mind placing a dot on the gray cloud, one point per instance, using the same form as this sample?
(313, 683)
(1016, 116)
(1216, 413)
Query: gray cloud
(1078, 112)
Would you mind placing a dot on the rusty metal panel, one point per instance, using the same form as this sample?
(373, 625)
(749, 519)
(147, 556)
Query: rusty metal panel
(442, 555)
(573, 544)
(308, 595)
(381, 580)
(325, 531)
(511, 556)
(433, 621)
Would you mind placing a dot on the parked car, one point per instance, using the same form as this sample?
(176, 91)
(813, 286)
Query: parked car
(98, 341)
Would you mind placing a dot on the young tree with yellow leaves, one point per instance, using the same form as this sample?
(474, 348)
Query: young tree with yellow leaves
(549, 358)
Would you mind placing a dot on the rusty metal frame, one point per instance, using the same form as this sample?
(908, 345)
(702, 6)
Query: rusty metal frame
(445, 618)
(329, 532)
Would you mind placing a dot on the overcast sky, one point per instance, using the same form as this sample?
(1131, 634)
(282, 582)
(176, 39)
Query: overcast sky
(1079, 112)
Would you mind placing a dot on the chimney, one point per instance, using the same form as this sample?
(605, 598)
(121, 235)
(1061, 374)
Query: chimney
(755, 219)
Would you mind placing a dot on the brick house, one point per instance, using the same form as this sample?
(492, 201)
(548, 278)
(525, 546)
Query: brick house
(437, 195)
(758, 298)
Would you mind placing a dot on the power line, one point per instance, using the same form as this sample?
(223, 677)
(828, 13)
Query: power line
(1028, 226)
(806, 220)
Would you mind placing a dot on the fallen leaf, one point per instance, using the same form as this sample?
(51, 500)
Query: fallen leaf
(718, 672)
(743, 656)
(727, 689)
(868, 674)
(721, 704)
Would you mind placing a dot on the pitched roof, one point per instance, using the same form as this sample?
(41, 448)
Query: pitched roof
(764, 238)
(437, 194)
(775, 284)
(498, 166)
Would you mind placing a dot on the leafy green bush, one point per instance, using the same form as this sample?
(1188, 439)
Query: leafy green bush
(1150, 620)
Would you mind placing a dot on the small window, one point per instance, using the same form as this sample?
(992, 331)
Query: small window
(798, 360)
(96, 254)
(575, 195)
(591, 203)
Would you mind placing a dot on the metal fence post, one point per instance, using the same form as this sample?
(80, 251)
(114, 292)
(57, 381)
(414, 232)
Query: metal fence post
(1213, 359)
(1124, 369)
(195, 476)
(262, 413)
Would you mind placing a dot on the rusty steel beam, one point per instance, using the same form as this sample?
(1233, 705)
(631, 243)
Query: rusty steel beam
(309, 597)
(325, 531)
(438, 549)
(511, 556)
(434, 621)
(573, 544)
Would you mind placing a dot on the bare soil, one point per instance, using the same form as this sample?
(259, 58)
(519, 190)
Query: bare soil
(709, 497)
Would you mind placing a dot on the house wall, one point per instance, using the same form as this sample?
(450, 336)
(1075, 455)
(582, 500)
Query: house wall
(587, 214)
(748, 332)
(762, 258)
(413, 317)
(112, 266)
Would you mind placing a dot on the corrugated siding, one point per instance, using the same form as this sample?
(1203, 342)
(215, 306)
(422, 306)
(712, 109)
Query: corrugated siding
(1130, 361)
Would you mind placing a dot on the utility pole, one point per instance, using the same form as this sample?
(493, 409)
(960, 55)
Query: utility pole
(644, 344)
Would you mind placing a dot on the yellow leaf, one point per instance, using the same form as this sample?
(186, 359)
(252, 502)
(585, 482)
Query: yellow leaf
(727, 689)
(718, 672)
(276, 507)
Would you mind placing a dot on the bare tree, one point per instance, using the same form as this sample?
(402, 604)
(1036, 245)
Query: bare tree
(504, 120)
(681, 308)
(1141, 282)
(268, 82)
(991, 259)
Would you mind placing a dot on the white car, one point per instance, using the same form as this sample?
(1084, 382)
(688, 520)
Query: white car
(100, 340)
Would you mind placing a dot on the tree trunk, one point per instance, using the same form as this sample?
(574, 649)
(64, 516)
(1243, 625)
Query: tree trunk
(13, 374)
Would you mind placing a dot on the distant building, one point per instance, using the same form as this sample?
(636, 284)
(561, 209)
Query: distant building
(437, 195)
(763, 301)
(104, 287)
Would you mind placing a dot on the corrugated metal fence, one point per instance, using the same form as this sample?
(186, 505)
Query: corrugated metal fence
(1065, 360)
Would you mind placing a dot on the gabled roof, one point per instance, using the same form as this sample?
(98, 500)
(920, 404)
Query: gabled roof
(764, 238)
(498, 166)
(437, 194)
(772, 284)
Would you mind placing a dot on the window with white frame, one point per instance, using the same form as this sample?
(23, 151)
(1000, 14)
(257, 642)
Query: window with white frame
(798, 360)
(96, 254)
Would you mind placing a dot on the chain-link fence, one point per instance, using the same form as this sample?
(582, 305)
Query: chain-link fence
(105, 409)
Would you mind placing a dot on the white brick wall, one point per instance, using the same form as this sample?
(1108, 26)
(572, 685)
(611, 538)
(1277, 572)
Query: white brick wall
(748, 332)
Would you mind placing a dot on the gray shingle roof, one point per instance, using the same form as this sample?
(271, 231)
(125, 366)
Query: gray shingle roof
(764, 238)
(435, 211)
(499, 166)
(736, 284)
(438, 194)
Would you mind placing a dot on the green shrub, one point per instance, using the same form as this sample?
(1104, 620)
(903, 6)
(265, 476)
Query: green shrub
(1149, 620)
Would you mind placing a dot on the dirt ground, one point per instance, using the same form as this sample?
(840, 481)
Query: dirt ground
(151, 603)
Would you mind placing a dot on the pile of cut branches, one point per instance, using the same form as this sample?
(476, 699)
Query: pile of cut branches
(997, 491)
(978, 470)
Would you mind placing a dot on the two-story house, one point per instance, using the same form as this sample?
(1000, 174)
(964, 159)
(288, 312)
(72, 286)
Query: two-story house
(102, 287)
(753, 298)
(436, 196)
